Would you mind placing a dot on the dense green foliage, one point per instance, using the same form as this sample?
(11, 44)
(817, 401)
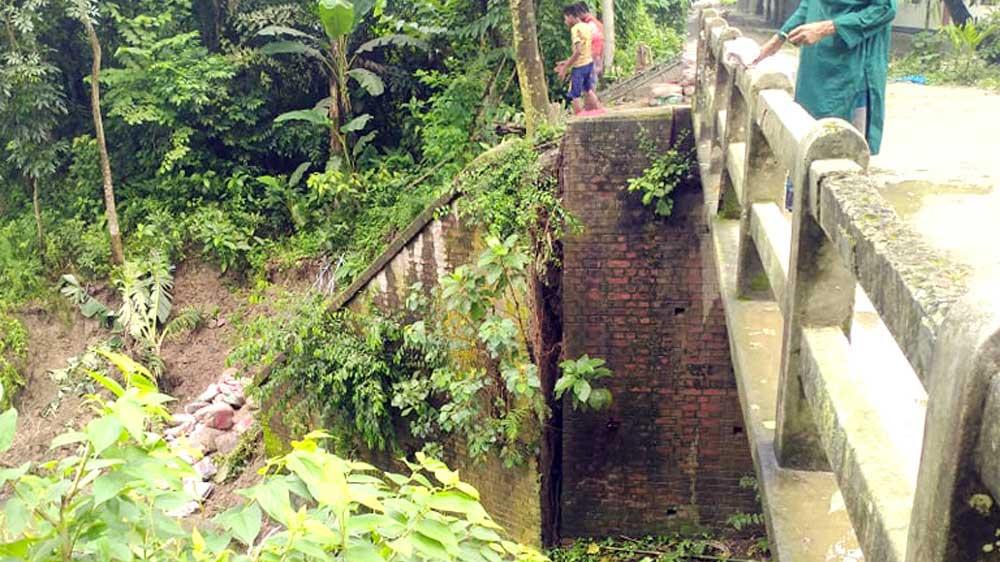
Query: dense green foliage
(966, 55)
(13, 351)
(111, 499)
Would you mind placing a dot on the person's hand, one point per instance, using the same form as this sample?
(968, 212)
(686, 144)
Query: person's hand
(811, 33)
(772, 46)
(561, 70)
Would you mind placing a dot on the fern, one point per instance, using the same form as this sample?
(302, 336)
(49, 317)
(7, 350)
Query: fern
(188, 320)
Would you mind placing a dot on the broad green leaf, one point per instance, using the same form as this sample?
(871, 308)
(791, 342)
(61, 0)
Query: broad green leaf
(312, 550)
(108, 383)
(452, 500)
(337, 17)
(16, 515)
(582, 390)
(8, 426)
(356, 124)
(103, 432)
(244, 522)
(132, 416)
(437, 531)
(366, 495)
(368, 80)
(68, 439)
(563, 383)
(108, 486)
(362, 553)
(485, 535)
(468, 489)
(290, 48)
(395, 40)
(296, 176)
(273, 30)
(13, 473)
(313, 116)
(17, 550)
(429, 547)
(600, 398)
(273, 497)
(322, 533)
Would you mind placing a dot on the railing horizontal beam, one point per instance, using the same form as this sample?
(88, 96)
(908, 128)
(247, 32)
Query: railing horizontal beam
(877, 484)
(910, 284)
(736, 166)
(772, 234)
(784, 123)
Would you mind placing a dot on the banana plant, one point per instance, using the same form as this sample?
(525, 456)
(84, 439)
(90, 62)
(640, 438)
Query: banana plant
(343, 62)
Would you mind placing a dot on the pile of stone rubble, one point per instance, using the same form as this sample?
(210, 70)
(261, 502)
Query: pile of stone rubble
(208, 428)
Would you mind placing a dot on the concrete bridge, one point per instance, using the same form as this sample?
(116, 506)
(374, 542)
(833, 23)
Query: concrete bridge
(864, 327)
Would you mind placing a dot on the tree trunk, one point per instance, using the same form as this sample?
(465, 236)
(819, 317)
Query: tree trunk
(608, 16)
(117, 249)
(38, 217)
(530, 70)
(958, 12)
(336, 142)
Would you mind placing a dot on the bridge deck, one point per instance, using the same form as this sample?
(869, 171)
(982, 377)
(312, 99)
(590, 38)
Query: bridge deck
(917, 230)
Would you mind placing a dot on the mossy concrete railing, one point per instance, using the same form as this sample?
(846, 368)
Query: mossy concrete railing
(929, 502)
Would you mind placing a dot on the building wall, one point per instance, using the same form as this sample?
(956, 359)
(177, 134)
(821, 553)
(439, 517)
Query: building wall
(641, 292)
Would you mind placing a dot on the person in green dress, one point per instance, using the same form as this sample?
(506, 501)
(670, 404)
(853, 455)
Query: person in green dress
(844, 61)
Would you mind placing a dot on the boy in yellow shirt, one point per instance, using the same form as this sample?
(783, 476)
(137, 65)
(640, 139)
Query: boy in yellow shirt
(580, 65)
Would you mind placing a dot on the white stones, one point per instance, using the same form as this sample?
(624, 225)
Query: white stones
(216, 416)
(227, 442)
(194, 407)
(211, 424)
(206, 469)
(232, 399)
(211, 392)
(203, 438)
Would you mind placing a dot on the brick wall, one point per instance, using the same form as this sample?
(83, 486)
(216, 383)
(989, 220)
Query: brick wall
(437, 243)
(641, 292)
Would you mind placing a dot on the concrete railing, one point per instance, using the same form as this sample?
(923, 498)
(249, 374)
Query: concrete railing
(929, 502)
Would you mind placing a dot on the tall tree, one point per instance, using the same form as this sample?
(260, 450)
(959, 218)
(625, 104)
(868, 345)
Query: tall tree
(342, 60)
(530, 70)
(31, 102)
(86, 12)
(608, 15)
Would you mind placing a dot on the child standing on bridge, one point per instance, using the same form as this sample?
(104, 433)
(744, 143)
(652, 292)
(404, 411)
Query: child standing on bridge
(580, 65)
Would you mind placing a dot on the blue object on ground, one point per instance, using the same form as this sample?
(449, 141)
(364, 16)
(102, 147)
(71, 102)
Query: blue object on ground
(913, 79)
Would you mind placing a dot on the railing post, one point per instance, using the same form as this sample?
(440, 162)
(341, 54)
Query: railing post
(819, 293)
(724, 83)
(763, 179)
(954, 511)
(707, 65)
(736, 124)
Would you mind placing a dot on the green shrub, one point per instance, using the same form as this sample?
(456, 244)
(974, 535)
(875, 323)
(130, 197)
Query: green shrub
(341, 366)
(113, 498)
(221, 238)
(21, 272)
(13, 352)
